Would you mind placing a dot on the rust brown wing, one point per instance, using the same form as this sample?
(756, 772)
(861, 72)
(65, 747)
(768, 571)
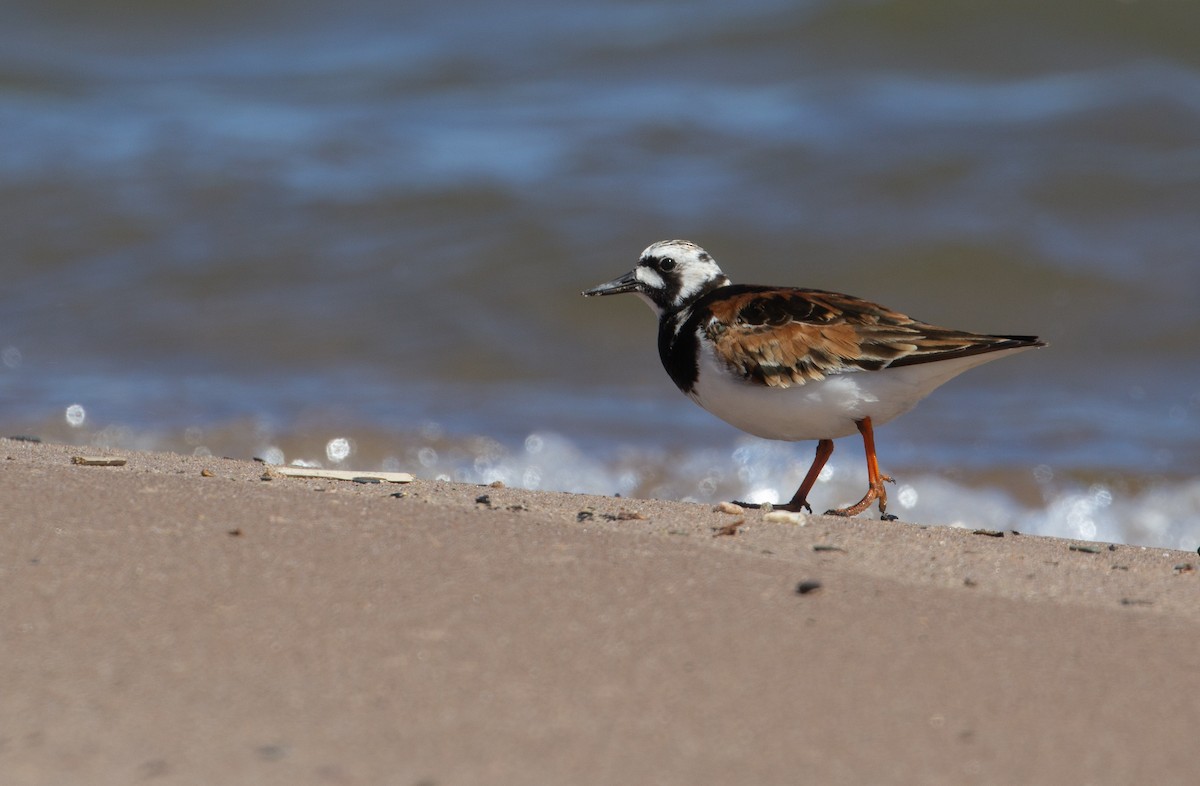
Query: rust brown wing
(786, 337)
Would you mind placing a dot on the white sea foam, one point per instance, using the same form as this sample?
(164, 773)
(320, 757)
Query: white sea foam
(1162, 514)
(1035, 500)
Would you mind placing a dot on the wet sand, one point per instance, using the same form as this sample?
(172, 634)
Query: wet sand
(184, 620)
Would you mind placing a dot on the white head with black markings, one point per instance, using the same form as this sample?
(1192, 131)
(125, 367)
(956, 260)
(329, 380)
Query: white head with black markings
(670, 275)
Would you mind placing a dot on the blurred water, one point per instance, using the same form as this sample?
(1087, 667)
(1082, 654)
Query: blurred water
(250, 229)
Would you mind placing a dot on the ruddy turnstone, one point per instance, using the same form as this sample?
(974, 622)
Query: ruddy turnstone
(796, 364)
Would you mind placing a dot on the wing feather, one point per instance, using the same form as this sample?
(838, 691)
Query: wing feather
(786, 337)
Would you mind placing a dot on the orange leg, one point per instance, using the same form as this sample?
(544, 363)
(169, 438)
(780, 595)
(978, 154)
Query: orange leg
(799, 500)
(875, 480)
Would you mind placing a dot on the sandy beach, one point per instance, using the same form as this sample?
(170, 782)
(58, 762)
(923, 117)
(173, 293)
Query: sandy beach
(200, 620)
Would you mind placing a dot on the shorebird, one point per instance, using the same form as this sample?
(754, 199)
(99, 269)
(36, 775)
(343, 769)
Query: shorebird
(797, 364)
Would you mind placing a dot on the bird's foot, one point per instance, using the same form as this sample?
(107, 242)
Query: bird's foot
(883, 514)
(792, 507)
(875, 492)
(854, 510)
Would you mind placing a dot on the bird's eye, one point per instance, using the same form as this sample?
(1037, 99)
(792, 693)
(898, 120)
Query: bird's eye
(666, 264)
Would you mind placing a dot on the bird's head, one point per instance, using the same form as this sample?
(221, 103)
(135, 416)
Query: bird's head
(670, 275)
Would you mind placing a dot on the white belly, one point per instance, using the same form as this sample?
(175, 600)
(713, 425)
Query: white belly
(827, 409)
